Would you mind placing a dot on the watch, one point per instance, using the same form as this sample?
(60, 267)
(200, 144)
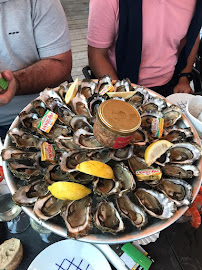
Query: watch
(188, 75)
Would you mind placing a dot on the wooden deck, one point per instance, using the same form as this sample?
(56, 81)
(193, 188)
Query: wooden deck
(77, 17)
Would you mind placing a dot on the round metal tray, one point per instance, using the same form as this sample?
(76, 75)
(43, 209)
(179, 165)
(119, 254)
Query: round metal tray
(131, 233)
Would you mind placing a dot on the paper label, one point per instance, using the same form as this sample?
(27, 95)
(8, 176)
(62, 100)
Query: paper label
(47, 152)
(106, 88)
(122, 142)
(157, 127)
(47, 121)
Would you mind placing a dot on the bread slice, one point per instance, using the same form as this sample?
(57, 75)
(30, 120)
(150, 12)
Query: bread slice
(11, 253)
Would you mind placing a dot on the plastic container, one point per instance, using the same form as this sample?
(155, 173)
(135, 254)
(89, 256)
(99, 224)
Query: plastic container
(194, 113)
(116, 121)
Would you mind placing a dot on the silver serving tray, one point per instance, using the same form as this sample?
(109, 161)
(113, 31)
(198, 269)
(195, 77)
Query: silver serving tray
(155, 225)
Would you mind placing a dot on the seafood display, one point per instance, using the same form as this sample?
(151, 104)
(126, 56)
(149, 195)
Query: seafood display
(117, 206)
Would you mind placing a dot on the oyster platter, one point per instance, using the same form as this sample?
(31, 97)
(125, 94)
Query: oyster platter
(117, 210)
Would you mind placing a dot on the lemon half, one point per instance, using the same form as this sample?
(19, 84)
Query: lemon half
(155, 150)
(125, 95)
(69, 190)
(72, 91)
(96, 168)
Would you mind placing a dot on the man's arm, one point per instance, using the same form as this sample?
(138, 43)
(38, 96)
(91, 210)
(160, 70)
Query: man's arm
(183, 85)
(99, 62)
(48, 72)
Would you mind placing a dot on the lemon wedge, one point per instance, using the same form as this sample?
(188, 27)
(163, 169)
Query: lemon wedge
(96, 168)
(72, 91)
(155, 150)
(68, 190)
(125, 95)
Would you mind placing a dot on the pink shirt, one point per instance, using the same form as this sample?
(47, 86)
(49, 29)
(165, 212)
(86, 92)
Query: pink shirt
(165, 24)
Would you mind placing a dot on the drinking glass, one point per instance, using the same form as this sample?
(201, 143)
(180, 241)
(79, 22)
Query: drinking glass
(43, 232)
(17, 221)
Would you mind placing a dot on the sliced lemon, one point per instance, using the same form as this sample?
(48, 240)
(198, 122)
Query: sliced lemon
(68, 190)
(72, 91)
(96, 168)
(125, 95)
(155, 150)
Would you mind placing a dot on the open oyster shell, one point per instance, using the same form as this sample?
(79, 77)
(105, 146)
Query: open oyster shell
(47, 207)
(129, 210)
(180, 171)
(177, 190)
(106, 187)
(156, 203)
(77, 217)
(122, 174)
(28, 195)
(107, 218)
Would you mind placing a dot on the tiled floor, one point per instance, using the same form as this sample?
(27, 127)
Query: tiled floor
(77, 17)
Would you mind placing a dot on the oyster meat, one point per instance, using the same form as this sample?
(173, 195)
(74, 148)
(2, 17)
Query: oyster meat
(77, 217)
(156, 203)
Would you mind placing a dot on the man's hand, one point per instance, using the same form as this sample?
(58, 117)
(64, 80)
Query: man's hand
(12, 87)
(183, 86)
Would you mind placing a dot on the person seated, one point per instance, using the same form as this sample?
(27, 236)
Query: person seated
(153, 43)
(35, 52)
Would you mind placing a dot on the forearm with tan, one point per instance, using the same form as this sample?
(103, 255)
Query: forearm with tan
(48, 72)
(99, 62)
(183, 85)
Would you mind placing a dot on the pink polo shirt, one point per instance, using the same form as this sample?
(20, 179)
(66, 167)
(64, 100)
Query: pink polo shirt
(165, 24)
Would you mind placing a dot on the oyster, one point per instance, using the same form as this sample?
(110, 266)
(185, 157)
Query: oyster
(171, 115)
(156, 203)
(86, 140)
(122, 174)
(107, 218)
(102, 81)
(25, 140)
(140, 97)
(178, 135)
(154, 104)
(66, 143)
(101, 155)
(87, 88)
(81, 178)
(180, 171)
(122, 153)
(105, 187)
(80, 106)
(123, 86)
(27, 120)
(94, 102)
(177, 190)
(139, 137)
(69, 160)
(64, 113)
(77, 217)
(62, 90)
(184, 153)
(56, 130)
(146, 118)
(55, 174)
(80, 121)
(47, 207)
(12, 154)
(134, 213)
(25, 172)
(28, 195)
(39, 106)
(137, 163)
